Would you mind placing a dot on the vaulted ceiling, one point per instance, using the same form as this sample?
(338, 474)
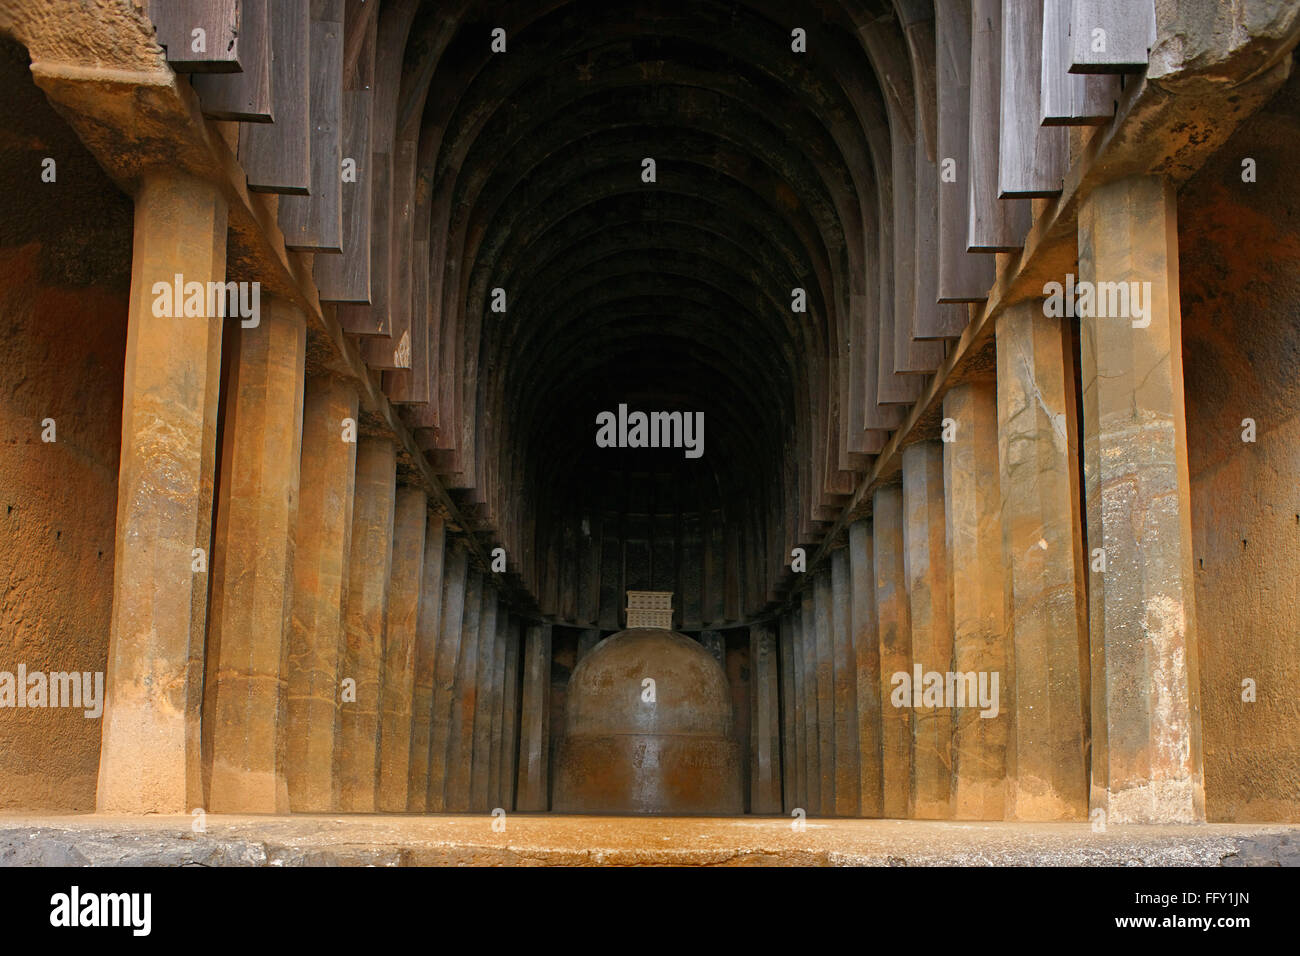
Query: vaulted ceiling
(774, 129)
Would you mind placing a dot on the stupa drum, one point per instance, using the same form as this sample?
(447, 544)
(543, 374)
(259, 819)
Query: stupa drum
(648, 729)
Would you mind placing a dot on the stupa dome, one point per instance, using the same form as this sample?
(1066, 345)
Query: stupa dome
(648, 729)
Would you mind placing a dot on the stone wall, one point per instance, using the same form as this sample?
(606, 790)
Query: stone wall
(65, 252)
(1239, 245)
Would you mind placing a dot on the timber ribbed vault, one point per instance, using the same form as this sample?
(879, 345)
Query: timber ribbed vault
(772, 173)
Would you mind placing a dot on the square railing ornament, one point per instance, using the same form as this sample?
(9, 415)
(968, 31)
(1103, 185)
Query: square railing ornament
(650, 609)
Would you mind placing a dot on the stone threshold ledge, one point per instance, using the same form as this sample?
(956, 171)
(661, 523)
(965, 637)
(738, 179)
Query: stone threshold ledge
(550, 840)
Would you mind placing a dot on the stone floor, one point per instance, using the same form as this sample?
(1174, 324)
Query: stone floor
(536, 839)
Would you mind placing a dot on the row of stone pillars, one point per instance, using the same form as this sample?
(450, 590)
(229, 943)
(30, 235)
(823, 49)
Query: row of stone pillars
(989, 557)
(325, 645)
(233, 645)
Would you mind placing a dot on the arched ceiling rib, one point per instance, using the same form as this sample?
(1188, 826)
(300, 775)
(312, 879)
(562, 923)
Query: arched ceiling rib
(774, 170)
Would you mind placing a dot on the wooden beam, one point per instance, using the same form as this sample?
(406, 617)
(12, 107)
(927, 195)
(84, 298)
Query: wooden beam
(915, 224)
(878, 418)
(412, 386)
(1032, 159)
(346, 278)
(361, 22)
(200, 35)
(931, 319)
(1070, 99)
(372, 319)
(392, 170)
(245, 96)
(314, 223)
(732, 582)
(394, 352)
(1111, 36)
(896, 315)
(277, 156)
(963, 277)
(568, 596)
(994, 226)
(589, 573)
